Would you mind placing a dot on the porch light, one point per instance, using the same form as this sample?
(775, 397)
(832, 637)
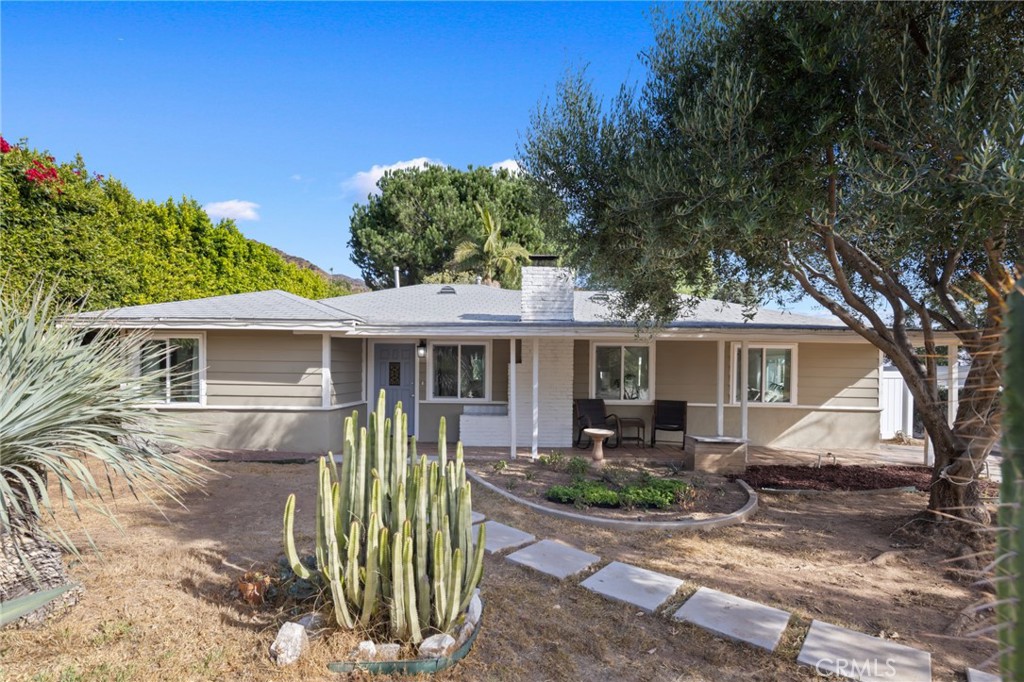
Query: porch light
(421, 349)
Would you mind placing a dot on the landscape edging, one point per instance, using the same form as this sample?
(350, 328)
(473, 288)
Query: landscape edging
(731, 519)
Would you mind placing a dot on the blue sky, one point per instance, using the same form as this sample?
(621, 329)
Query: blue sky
(283, 114)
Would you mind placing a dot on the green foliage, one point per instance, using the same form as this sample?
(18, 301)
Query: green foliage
(103, 247)
(393, 535)
(71, 416)
(577, 466)
(499, 466)
(556, 460)
(647, 493)
(1009, 564)
(421, 215)
(491, 253)
(865, 155)
(584, 494)
(14, 609)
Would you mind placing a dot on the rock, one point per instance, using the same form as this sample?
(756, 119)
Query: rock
(464, 632)
(313, 622)
(388, 652)
(437, 646)
(474, 610)
(291, 641)
(366, 651)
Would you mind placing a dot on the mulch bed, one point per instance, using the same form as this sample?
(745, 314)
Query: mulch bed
(837, 477)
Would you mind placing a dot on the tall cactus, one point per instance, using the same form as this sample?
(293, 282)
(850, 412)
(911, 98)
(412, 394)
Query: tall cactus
(393, 535)
(1009, 564)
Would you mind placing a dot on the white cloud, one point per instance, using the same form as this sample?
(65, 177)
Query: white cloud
(364, 183)
(234, 209)
(511, 165)
(297, 178)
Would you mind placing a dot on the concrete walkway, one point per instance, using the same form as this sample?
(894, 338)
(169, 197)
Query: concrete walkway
(831, 650)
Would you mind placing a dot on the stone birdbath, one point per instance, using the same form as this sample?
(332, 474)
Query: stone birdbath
(598, 436)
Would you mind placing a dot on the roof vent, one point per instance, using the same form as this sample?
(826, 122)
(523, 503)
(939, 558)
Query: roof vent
(599, 298)
(447, 290)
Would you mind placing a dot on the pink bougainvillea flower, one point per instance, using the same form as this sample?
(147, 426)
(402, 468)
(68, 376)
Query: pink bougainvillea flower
(5, 146)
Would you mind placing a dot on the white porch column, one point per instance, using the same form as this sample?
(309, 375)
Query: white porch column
(908, 411)
(325, 370)
(536, 398)
(953, 392)
(415, 396)
(720, 394)
(512, 398)
(744, 387)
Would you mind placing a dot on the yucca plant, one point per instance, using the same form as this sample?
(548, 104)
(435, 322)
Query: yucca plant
(1009, 563)
(72, 423)
(393, 534)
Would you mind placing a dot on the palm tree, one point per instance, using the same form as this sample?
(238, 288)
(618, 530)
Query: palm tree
(71, 424)
(496, 258)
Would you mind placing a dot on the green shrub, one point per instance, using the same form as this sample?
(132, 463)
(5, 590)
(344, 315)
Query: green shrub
(556, 460)
(659, 493)
(577, 466)
(584, 494)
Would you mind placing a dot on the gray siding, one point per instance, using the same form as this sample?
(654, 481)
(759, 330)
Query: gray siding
(263, 368)
(346, 370)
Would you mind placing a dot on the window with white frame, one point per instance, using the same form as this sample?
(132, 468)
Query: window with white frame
(173, 366)
(459, 371)
(622, 372)
(771, 373)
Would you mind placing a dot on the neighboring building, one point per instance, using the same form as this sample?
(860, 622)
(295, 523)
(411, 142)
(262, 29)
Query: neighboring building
(280, 372)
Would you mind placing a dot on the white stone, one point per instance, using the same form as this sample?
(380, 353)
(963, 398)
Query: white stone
(633, 585)
(290, 643)
(981, 676)
(500, 536)
(476, 607)
(388, 652)
(465, 630)
(477, 517)
(832, 650)
(437, 646)
(735, 618)
(366, 651)
(554, 558)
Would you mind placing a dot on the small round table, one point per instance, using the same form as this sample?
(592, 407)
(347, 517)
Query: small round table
(598, 436)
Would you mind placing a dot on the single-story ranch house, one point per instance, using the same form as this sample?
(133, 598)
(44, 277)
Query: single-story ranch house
(275, 371)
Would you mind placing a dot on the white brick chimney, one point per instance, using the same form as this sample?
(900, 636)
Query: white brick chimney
(547, 293)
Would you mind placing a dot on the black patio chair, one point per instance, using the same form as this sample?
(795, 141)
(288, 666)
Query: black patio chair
(669, 415)
(591, 414)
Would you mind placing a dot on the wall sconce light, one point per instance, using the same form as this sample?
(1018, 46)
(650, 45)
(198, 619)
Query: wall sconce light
(421, 349)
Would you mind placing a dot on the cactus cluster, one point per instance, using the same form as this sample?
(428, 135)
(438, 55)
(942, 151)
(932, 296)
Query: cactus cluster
(1009, 564)
(393, 533)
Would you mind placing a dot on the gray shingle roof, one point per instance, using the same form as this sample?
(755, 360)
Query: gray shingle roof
(424, 304)
(262, 306)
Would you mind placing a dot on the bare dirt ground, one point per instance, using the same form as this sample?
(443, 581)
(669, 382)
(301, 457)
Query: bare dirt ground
(160, 603)
(709, 495)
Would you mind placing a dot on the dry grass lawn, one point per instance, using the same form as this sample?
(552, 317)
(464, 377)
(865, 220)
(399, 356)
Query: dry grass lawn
(160, 603)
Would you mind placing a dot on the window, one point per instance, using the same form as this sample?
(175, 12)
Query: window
(622, 372)
(175, 367)
(770, 372)
(459, 371)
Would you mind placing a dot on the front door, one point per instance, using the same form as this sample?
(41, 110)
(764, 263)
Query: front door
(395, 372)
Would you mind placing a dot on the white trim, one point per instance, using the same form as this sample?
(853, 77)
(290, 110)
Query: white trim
(651, 352)
(758, 345)
(720, 390)
(325, 370)
(953, 385)
(200, 336)
(745, 394)
(488, 370)
(788, 406)
(513, 440)
(535, 440)
(192, 407)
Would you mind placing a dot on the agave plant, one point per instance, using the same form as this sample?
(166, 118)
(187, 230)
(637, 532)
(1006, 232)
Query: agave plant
(71, 425)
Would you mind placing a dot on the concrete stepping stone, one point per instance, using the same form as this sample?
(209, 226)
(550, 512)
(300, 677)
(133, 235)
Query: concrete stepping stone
(633, 585)
(477, 517)
(981, 676)
(735, 618)
(554, 558)
(832, 649)
(500, 536)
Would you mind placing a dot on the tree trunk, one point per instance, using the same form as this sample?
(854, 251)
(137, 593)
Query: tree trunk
(30, 562)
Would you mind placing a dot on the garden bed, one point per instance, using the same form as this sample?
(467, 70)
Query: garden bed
(633, 491)
(838, 477)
